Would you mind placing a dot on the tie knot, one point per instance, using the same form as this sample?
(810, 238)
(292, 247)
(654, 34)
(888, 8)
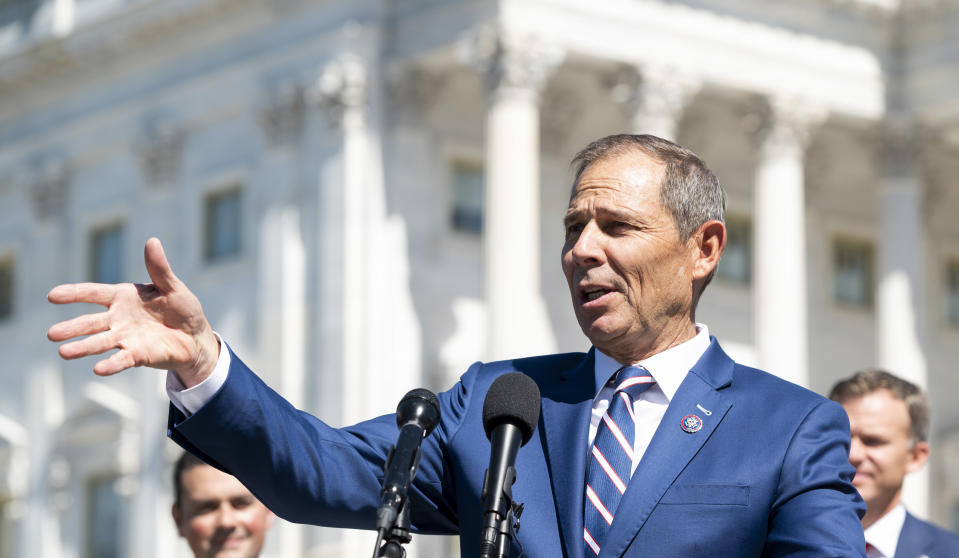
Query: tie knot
(633, 380)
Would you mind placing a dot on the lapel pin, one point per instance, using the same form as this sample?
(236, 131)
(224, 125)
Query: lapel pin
(691, 423)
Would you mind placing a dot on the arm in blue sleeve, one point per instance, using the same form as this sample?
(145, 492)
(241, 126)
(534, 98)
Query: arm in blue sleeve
(817, 510)
(308, 472)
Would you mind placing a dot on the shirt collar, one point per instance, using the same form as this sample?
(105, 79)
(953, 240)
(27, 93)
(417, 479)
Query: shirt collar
(884, 533)
(668, 368)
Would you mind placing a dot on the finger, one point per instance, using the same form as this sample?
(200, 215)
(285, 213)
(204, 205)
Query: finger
(93, 293)
(93, 345)
(157, 266)
(117, 362)
(82, 325)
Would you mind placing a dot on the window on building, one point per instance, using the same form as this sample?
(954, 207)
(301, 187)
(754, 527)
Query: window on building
(106, 518)
(853, 279)
(106, 255)
(952, 292)
(467, 214)
(223, 225)
(6, 288)
(736, 264)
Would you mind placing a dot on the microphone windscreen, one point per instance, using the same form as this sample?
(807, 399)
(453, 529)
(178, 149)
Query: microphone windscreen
(513, 398)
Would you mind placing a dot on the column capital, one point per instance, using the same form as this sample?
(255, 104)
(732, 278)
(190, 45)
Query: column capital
(281, 116)
(47, 181)
(161, 150)
(653, 96)
(508, 60)
(787, 123)
(340, 89)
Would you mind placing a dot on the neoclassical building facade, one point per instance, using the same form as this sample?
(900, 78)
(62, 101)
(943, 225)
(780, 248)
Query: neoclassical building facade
(367, 197)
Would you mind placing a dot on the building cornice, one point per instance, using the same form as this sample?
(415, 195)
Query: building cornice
(91, 47)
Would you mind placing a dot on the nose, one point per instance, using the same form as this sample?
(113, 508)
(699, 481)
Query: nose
(587, 250)
(227, 518)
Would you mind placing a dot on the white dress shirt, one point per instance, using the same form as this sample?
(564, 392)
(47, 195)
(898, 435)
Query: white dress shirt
(668, 368)
(883, 535)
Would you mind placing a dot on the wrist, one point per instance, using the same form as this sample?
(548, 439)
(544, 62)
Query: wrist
(208, 351)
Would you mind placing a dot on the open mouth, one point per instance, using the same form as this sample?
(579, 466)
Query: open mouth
(592, 293)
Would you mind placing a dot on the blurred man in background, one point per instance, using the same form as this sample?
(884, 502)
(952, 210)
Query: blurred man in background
(889, 421)
(218, 516)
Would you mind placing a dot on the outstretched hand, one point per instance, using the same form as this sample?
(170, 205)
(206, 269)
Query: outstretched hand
(160, 325)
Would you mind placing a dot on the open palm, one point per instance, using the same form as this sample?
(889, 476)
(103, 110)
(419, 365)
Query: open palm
(160, 325)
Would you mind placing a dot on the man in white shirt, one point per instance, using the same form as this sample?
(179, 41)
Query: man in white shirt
(216, 515)
(889, 422)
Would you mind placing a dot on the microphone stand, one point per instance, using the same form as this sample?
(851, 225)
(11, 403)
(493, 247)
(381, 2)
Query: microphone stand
(398, 533)
(500, 528)
(397, 536)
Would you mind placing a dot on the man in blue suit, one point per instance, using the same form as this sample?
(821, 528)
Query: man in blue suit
(654, 443)
(889, 418)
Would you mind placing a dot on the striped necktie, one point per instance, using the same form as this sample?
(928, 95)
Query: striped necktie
(611, 457)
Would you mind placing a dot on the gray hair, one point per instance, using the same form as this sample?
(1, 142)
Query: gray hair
(864, 382)
(690, 191)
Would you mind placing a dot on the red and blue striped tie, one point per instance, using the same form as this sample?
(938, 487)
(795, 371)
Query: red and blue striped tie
(611, 457)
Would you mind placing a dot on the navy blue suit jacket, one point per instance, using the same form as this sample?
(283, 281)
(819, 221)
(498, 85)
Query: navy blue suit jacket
(767, 475)
(922, 539)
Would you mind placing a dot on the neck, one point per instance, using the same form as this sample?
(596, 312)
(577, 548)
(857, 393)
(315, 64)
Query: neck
(631, 351)
(877, 508)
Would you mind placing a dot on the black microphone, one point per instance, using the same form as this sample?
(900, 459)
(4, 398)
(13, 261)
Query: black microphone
(510, 414)
(417, 415)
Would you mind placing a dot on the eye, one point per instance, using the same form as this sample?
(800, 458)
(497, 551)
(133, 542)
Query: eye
(205, 507)
(240, 503)
(872, 441)
(618, 227)
(573, 229)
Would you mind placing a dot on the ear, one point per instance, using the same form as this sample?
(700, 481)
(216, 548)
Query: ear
(918, 456)
(175, 511)
(707, 244)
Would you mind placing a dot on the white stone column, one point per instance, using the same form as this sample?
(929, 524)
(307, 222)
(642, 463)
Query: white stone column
(654, 98)
(514, 70)
(780, 308)
(342, 91)
(40, 529)
(283, 327)
(379, 331)
(899, 298)
(150, 523)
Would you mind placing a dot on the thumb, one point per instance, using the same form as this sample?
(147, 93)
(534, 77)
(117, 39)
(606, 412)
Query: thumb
(158, 267)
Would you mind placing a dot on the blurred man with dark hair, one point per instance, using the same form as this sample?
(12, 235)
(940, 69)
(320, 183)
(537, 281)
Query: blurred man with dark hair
(889, 421)
(215, 513)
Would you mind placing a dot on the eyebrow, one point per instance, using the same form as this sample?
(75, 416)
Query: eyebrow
(572, 215)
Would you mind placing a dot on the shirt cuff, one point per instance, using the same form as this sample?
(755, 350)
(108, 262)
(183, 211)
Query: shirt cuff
(189, 401)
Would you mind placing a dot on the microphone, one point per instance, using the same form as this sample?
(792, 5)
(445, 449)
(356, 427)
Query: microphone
(417, 415)
(510, 414)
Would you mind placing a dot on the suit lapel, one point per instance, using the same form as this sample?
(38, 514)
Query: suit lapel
(672, 448)
(565, 422)
(912, 540)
